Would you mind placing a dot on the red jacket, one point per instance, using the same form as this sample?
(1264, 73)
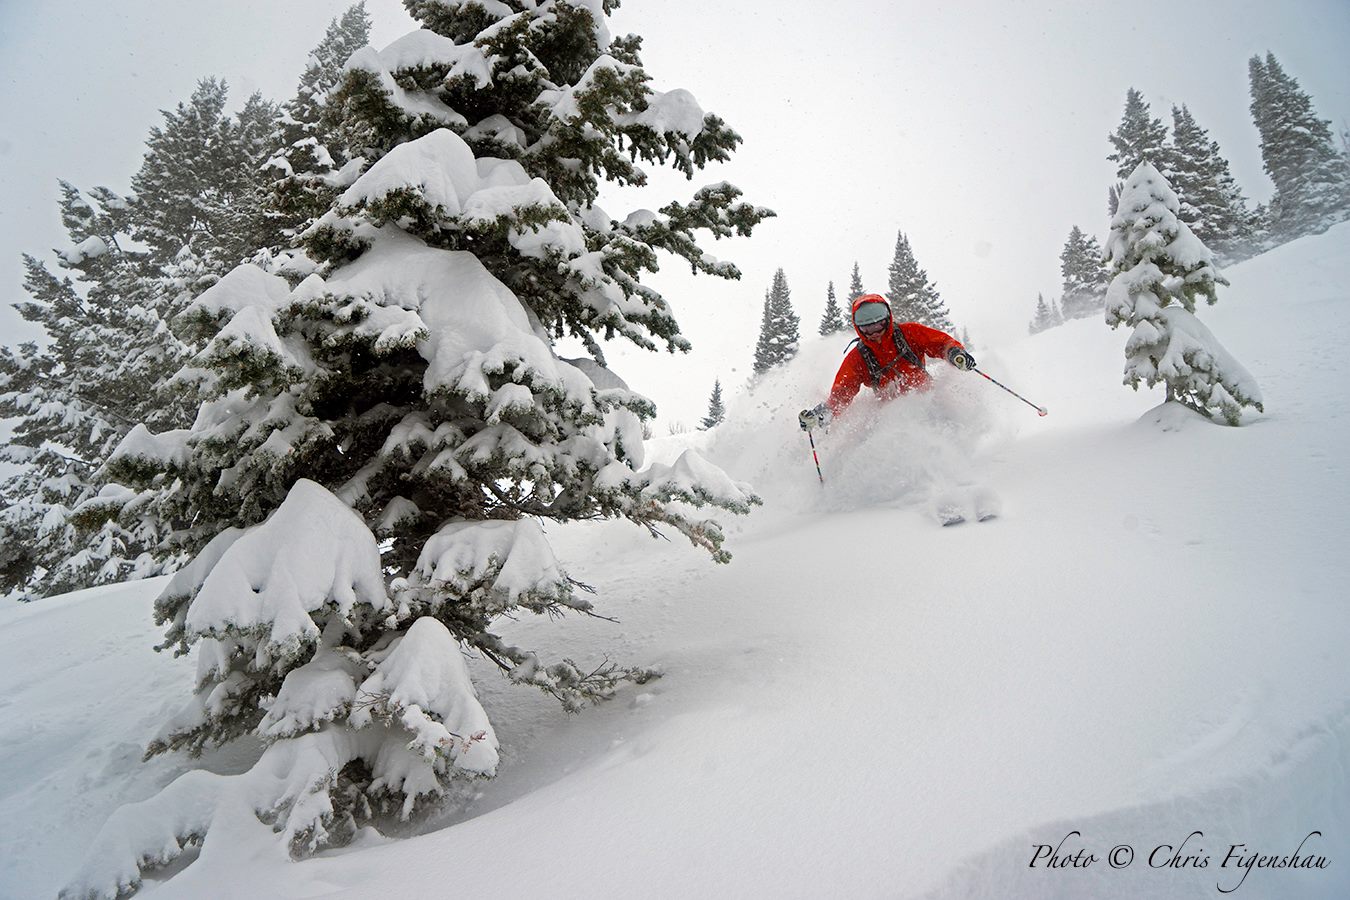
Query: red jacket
(898, 375)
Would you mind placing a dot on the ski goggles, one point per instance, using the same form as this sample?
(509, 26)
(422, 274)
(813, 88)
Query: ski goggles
(871, 318)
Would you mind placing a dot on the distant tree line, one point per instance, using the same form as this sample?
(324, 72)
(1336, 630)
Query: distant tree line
(1299, 151)
(912, 297)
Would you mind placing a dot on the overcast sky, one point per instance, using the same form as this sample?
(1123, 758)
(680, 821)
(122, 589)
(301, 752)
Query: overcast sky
(978, 128)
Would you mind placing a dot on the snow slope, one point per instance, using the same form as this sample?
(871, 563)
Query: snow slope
(1147, 642)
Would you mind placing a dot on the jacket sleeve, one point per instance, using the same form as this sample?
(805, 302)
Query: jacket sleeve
(929, 341)
(847, 382)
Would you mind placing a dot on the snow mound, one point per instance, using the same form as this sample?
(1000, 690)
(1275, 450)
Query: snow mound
(243, 287)
(312, 552)
(418, 106)
(424, 672)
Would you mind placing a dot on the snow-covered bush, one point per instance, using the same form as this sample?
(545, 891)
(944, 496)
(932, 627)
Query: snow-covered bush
(376, 445)
(1160, 269)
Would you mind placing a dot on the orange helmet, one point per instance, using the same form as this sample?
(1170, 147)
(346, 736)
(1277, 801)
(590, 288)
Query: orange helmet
(871, 316)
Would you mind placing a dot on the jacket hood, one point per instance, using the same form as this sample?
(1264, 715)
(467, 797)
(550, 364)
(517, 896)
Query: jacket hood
(867, 298)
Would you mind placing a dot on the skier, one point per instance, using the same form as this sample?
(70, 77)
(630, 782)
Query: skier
(887, 356)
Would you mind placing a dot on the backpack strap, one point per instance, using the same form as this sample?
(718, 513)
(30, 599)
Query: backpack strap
(874, 370)
(905, 349)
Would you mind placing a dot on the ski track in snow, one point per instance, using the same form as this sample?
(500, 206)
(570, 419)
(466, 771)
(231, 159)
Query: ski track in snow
(1148, 640)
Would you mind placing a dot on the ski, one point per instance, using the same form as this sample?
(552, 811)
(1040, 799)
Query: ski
(950, 514)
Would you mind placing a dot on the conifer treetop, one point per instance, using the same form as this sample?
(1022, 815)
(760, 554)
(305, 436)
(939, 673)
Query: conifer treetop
(1161, 269)
(1212, 205)
(855, 286)
(717, 410)
(912, 297)
(778, 333)
(308, 161)
(834, 319)
(550, 90)
(1147, 231)
(1139, 136)
(1085, 275)
(1312, 180)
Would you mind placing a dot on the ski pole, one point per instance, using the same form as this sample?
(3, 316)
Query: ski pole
(1040, 409)
(812, 439)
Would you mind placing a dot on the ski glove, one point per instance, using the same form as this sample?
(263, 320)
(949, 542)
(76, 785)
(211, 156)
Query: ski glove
(814, 417)
(961, 359)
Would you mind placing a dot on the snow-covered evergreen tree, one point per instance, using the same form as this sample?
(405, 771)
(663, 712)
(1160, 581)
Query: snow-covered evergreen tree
(1160, 269)
(1312, 188)
(1085, 275)
(51, 477)
(199, 188)
(1043, 319)
(834, 319)
(1139, 137)
(1212, 205)
(1345, 150)
(1113, 197)
(242, 225)
(99, 368)
(778, 327)
(308, 157)
(855, 290)
(408, 392)
(912, 297)
(137, 262)
(717, 411)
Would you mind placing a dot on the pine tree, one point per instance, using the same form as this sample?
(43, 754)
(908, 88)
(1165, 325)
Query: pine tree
(716, 411)
(51, 477)
(1056, 314)
(833, 320)
(201, 207)
(200, 185)
(98, 370)
(1345, 151)
(1212, 205)
(241, 218)
(107, 356)
(778, 329)
(308, 156)
(855, 290)
(409, 389)
(1085, 275)
(1113, 197)
(1160, 269)
(1139, 137)
(1043, 319)
(911, 296)
(1312, 188)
